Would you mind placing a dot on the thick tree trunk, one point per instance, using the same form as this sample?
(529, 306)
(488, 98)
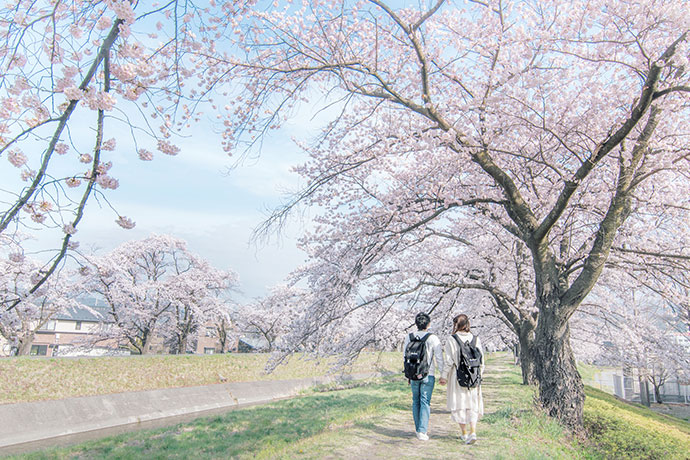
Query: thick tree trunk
(561, 392)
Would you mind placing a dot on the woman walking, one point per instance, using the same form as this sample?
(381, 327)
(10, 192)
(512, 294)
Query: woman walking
(466, 405)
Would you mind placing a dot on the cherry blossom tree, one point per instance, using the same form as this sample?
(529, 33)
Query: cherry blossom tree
(560, 125)
(81, 79)
(199, 297)
(225, 330)
(19, 325)
(271, 316)
(156, 288)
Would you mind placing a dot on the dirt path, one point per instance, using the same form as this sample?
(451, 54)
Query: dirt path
(393, 436)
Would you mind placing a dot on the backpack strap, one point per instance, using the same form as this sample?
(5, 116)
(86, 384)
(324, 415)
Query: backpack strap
(474, 344)
(461, 344)
(414, 338)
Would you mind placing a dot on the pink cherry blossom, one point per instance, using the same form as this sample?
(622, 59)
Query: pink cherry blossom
(168, 148)
(73, 182)
(17, 257)
(18, 159)
(73, 93)
(61, 148)
(107, 182)
(38, 217)
(28, 174)
(109, 144)
(145, 155)
(104, 23)
(125, 222)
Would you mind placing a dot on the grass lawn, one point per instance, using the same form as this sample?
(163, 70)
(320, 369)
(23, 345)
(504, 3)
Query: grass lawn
(374, 421)
(24, 379)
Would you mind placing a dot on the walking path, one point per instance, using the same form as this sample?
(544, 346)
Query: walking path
(393, 437)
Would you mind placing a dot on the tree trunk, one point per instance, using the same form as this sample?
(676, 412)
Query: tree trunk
(526, 342)
(24, 346)
(183, 343)
(657, 393)
(561, 392)
(644, 392)
(146, 343)
(223, 340)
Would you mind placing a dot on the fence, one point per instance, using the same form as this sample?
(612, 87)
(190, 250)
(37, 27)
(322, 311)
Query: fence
(672, 391)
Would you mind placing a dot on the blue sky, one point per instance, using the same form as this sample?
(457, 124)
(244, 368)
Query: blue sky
(195, 196)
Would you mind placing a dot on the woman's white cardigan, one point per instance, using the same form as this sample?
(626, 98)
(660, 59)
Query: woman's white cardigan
(460, 398)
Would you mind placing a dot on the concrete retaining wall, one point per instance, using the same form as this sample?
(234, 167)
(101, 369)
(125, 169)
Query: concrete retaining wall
(29, 426)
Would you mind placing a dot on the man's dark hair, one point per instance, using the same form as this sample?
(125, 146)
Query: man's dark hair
(422, 321)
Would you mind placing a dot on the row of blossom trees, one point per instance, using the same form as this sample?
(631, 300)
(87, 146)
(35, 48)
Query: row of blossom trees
(559, 127)
(152, 288)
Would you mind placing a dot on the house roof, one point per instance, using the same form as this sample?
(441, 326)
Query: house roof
(90, 311)
(254, 340)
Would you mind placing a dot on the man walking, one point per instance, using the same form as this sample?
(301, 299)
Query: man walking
(423, 360)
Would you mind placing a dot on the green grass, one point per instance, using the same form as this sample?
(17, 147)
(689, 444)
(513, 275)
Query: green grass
(259, 432)
(374, 421)
(619, 429)
(24, 379)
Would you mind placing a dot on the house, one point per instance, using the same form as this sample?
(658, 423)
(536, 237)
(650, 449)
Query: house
(68, 332)
(208, 342)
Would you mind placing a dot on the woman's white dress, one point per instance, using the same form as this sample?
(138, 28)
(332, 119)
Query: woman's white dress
(465, 404)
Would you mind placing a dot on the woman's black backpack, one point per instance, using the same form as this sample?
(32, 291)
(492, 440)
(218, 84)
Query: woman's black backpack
(470, 361)
(416, 364)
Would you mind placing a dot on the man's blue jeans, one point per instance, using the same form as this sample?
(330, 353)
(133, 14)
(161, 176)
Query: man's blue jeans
(421, 402)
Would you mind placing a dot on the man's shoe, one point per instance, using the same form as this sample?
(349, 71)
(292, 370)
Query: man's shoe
(471, 439)
(463, 437)
(422, 436)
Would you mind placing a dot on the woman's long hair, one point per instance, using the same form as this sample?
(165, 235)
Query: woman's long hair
(461, 323)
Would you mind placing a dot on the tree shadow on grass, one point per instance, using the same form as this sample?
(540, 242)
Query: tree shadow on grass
(388, 434)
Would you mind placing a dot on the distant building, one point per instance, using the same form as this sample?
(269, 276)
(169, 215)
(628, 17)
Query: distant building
(68, 333)
(73, 333)
(209, 344)
(682, 339)
(251, 343)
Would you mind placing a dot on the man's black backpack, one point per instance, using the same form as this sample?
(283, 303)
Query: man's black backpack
(470, 360)
(416, 364)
